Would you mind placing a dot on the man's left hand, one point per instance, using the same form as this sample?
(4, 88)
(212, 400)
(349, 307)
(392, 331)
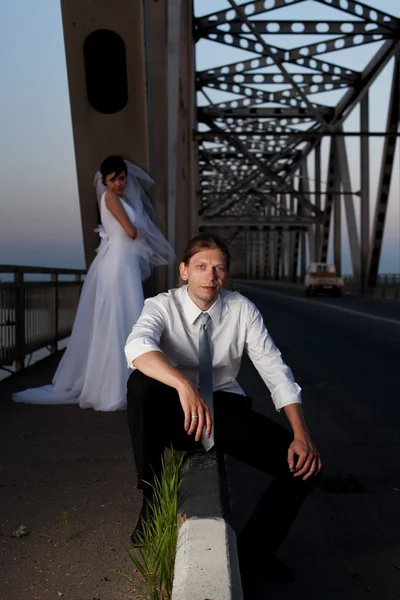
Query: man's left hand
(308, 460)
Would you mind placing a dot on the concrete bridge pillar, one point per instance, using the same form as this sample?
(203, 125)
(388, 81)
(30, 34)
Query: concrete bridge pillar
(105, 55)
(132, 92)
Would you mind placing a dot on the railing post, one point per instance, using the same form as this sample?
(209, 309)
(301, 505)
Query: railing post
(78, 278)
(30, 314)
(54, 345)
(19, 320)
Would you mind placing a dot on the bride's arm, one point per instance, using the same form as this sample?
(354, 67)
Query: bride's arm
(115, 207)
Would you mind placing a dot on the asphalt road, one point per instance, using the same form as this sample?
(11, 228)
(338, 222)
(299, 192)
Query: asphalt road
(345, 354)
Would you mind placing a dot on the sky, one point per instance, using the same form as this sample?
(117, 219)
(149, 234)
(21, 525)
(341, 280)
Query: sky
(39, 207)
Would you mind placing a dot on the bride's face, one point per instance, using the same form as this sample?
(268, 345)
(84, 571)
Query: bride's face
(116, 183)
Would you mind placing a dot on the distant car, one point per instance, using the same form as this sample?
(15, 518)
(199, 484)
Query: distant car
(322, 278)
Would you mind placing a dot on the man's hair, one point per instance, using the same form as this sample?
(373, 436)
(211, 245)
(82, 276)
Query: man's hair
(205, 241)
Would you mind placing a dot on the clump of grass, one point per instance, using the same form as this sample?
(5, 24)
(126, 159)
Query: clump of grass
(154, 561)
(20, 532)
(65, 523)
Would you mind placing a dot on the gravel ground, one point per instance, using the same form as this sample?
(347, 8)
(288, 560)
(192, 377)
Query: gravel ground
(67, 475)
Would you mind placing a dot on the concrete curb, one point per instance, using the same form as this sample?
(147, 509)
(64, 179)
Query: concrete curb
(206, 562)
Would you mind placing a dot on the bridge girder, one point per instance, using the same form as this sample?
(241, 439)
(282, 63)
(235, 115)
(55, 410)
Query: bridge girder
(260, 128)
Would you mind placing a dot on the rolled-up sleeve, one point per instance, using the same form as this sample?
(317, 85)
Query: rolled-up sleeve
(146, 333)
(268, 361)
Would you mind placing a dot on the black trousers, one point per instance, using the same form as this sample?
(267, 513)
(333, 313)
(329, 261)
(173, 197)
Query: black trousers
(156, 419)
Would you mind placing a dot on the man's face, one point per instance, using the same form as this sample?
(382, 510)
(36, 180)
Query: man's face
(205, 275)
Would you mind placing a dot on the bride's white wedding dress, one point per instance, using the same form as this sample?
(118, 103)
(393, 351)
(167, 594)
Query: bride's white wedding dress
(93, 371)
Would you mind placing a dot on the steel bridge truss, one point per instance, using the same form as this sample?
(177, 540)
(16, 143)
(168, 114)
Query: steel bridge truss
(257, 146)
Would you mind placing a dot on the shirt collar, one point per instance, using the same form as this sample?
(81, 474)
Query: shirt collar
(192, 311)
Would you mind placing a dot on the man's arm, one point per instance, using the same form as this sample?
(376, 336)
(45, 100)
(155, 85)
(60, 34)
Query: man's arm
(285, 394)
(143, 353)
(268, 361)
(155, 365)
(308, 462)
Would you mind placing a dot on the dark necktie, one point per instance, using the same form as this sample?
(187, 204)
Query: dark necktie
(205, 375)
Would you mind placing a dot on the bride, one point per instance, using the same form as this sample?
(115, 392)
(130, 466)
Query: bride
(93, 371)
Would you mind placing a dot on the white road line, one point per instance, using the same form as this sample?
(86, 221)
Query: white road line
(340, 308)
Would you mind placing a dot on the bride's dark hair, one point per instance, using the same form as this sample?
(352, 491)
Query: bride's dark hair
(112, 164)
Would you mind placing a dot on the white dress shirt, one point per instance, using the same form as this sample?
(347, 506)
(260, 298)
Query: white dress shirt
(169, 324)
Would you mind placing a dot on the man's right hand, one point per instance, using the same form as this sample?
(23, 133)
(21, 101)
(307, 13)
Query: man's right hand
(197, 413)
(155, 365)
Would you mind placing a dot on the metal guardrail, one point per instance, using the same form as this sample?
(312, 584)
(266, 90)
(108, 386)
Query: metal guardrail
(387, 286)
(35, 314)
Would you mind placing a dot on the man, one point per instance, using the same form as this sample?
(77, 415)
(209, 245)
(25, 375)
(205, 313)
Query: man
(168, 348)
